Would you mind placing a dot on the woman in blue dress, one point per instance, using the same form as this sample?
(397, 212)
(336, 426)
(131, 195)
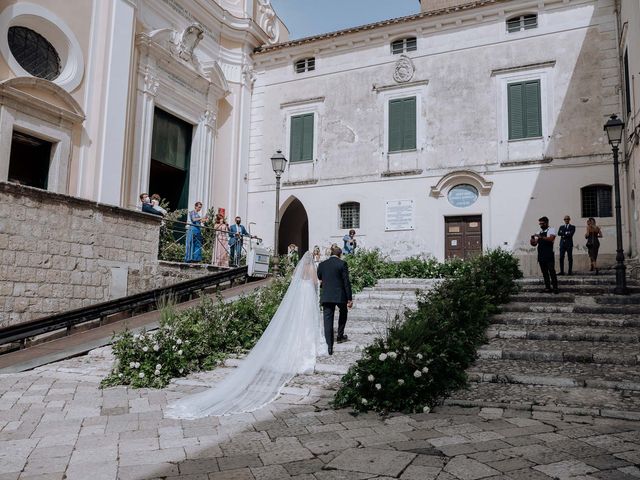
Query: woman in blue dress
(193, 252)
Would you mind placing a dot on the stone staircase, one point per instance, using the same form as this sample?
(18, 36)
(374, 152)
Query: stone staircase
(576, 352)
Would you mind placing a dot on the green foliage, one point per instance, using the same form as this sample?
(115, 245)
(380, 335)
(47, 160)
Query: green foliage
(198, 338)
(424, 358)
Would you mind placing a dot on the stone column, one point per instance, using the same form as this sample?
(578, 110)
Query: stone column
(145, 105)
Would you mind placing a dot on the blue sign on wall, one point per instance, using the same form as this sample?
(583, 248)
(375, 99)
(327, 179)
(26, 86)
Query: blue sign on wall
(462, 195)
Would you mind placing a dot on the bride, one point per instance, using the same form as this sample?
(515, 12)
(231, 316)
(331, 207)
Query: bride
(288, 346)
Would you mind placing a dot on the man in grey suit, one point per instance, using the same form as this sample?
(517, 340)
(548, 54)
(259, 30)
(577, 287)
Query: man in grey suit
(333, 274)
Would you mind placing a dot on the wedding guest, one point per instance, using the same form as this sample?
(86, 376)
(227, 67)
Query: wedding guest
(195, 219)
(544, 241)
(220, 254)
(155, 203)
(350, 243)
(236, 234)
(146, 206)
(566, 232)
(593, 235)
(316, 254)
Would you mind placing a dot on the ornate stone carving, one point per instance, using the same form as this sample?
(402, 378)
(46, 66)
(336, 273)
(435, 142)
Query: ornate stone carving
(248, 75)
(404, 69)
(151, 82)
(184, 43)
(209, 118)
(268, 20)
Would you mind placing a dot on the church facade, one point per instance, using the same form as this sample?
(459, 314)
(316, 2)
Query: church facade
(443, 133)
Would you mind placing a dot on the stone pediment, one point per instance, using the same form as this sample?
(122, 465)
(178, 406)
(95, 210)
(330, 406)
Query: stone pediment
(459, 177)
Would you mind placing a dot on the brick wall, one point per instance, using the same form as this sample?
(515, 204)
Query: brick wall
(59, 253)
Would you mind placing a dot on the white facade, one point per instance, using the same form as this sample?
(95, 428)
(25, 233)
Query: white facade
(459, 75)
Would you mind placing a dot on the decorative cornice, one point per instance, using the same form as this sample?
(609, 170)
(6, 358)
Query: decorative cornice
(529, 66)
(401, 173)
(299, 183)
(306, 101)
(397, 86)
(458, 177)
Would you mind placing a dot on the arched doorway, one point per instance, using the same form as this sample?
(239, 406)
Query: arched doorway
(294, 227)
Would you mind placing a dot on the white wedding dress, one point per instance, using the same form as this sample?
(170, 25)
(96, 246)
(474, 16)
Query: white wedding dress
(288, 346)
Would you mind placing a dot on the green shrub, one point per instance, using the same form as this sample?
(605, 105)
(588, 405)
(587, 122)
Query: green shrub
(436, 343)
(198, 338)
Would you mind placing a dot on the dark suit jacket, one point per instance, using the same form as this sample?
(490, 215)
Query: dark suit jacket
(336, 286)
(566, 232)
(148, 208)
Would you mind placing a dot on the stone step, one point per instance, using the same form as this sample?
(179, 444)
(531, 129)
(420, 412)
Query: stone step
(409, 281)
(578, 289)
(541, 307)
(618, 299)
(372, 327)
(575, 401)
(378, 307)
(338, 363)
(578, 280)
(382, 315)
(558, 374)
(543, 297)
(571, 333)
(559, 351)
(356, 343)
(396, 296)
(401, 287)
(579, 319)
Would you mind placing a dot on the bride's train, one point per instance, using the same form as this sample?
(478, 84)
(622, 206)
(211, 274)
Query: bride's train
(288, 346)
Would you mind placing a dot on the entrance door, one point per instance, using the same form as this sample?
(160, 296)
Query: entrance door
(29, 160)
(294, 228)
(170, 158)
(463, 236)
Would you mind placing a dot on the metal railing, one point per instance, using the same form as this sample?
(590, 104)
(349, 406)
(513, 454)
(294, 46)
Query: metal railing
(131, 304)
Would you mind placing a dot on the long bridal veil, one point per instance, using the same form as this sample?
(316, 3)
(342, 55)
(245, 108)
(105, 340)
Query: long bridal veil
(288, 346)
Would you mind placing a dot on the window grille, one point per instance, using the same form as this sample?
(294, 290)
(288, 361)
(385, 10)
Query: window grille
(34, 53)
(350, 215)
(522, 22)
(404, 45)
(596, 201)
(305, 65)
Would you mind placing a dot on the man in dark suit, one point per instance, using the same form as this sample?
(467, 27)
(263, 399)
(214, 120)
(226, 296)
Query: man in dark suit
(566, 232)
(333, 274)
(147, 207)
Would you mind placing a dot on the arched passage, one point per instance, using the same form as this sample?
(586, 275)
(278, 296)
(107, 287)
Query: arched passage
(294, 228)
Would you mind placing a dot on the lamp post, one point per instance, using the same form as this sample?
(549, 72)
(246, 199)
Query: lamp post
(614, 128)
(278, 162)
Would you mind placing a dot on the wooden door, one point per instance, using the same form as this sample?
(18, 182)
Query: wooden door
(462, 236)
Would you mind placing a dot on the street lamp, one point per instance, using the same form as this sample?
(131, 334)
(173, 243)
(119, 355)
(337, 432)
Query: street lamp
(278, 163)
(615, 128)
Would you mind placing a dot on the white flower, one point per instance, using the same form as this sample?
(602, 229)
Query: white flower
(179, 352)
(120, 375)
(156, 347)
(419, 356)
(141, 374)
(137, 364)
(179, 342)
(400, 381)
(426, 409)
(378, 386)
(181, 370)
(382, 357)
(364, 401)
(371, 378)
(393, 355)
(132, 364)
(406, 349)
(157, 372)
(417, 374)
(425, 370)
(158, 366)
(136, 336)
(145, 349)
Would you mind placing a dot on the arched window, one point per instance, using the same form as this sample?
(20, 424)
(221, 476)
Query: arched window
(522, 22)
(403, 45)
(350, 215)
(305, 65)
(596, 201)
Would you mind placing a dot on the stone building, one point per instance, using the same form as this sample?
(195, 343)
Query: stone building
(441, 133)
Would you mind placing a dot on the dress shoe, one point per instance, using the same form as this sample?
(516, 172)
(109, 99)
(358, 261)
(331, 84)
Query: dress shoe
(342, 339)
(560, 273)
(330, 350)
(546, 290)
(556, 291)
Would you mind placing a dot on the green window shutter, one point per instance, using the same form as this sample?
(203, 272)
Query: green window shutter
(301, 146)
(307, 137)
(516, 111)
(532, 109)
(409, 137)
(402, 124)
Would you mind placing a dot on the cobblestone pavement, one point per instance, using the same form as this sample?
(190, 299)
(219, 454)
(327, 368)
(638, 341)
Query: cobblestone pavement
(56, 423)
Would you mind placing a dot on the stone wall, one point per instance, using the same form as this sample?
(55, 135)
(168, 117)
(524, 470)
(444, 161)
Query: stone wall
(59, 253)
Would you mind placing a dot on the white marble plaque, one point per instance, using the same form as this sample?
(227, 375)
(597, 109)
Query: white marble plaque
(399, 215)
